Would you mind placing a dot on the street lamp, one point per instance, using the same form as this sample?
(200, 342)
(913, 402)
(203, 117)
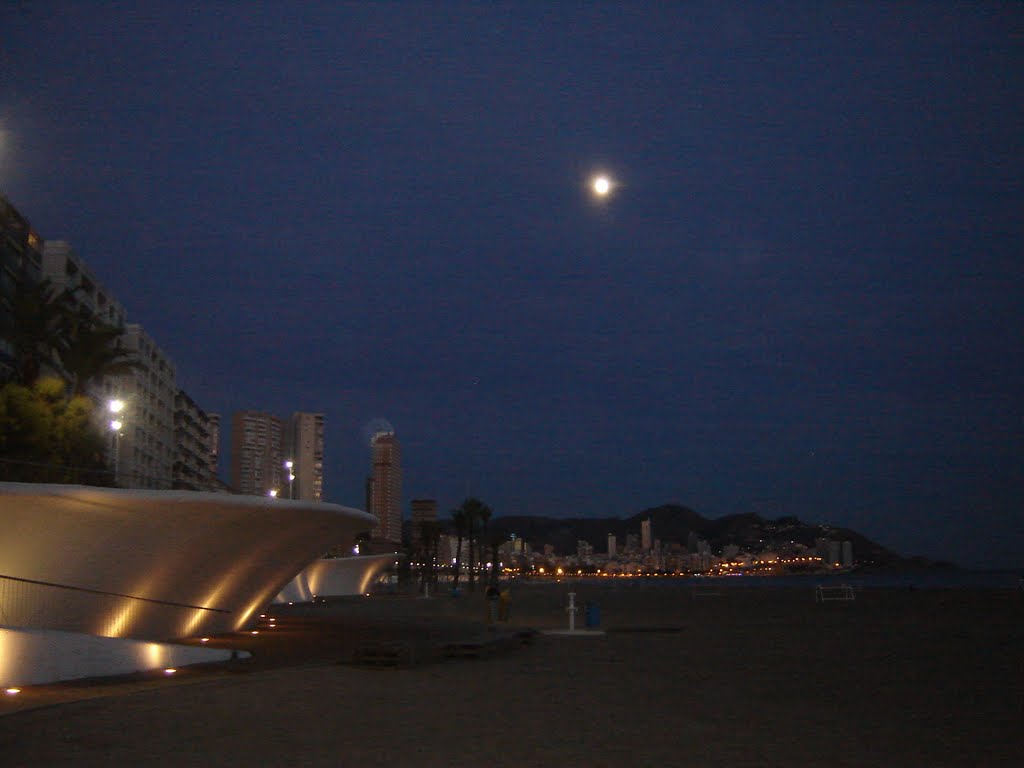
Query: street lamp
(291, 476)
(272, 493)
(115, 407)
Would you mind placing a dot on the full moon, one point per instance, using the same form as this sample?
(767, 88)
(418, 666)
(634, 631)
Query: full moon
(602, 186)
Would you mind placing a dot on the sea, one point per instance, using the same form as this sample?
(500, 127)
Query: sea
(926, 578)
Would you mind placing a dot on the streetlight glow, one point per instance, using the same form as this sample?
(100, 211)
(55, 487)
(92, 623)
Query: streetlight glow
(115, 407)
(291, 478)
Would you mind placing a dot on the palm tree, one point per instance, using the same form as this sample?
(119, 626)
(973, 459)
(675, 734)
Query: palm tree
(430, 539)
(48, 437)
(474, 510)
(93, 352)
(483, 513)
(459, 518)
(470, 511)
(495, 541)
(35, 328)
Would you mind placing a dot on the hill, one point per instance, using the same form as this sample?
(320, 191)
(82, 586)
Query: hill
(674, 524)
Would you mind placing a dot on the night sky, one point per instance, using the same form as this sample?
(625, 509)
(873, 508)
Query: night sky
(805, 295)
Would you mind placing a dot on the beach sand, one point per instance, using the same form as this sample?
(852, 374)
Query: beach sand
(746, 677)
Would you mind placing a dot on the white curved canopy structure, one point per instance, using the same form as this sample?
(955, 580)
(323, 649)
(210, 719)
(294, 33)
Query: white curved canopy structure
(155, 565)
(337, 577)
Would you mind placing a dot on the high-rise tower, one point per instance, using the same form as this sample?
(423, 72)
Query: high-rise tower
(21, 259)
(423, 511)
(386, 488)
(307, 452)
(256, 462)
(213, 446)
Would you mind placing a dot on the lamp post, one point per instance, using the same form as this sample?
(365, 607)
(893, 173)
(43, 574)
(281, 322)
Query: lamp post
(291, 476)
(115, 407)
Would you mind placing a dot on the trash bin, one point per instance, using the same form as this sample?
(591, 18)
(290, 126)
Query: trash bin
(592, 614)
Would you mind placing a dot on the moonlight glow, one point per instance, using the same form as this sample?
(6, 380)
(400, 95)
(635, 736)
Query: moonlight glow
(601, 185)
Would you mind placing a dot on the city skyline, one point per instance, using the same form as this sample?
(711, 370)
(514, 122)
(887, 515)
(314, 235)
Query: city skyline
(796, 293)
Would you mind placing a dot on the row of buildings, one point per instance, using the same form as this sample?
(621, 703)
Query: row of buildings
(643, 554)
(159, 436)
(273, 457)
(149, 416)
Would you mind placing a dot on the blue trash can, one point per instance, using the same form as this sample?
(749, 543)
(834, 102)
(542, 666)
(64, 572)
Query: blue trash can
(593, 615)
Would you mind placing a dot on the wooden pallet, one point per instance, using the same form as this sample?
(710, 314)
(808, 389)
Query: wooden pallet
(390, 654)
(487, 644)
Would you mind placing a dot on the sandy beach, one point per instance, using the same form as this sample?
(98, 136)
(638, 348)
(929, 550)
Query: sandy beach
(744, 677)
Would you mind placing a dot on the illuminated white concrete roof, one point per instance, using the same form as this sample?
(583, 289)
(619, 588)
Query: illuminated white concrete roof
(154, 564)
(336, 577)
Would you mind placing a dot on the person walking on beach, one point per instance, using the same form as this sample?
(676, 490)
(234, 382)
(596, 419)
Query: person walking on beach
(492, 603)
(504, 603)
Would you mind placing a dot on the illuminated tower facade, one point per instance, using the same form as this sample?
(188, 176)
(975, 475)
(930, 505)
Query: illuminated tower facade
(146, 449)
(386, 489)
(307, 453)
(645, 535)
(213, 444)
(256, 462)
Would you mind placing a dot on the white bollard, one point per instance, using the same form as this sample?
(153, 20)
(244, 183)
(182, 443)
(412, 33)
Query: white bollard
(572, 611)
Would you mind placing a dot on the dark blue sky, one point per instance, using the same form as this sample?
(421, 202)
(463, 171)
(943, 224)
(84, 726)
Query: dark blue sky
(806, 295)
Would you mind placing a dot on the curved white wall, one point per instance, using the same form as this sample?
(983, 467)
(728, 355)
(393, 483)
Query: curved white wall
(156, 565)
(336, 577)
(40, 656)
